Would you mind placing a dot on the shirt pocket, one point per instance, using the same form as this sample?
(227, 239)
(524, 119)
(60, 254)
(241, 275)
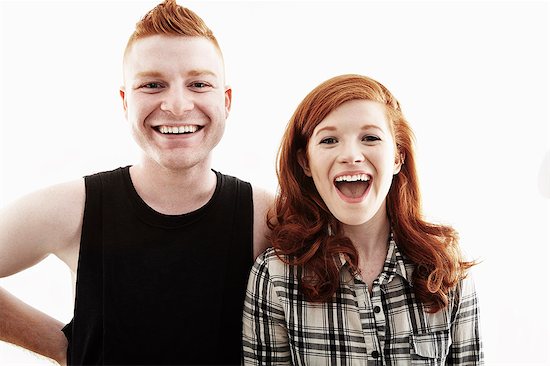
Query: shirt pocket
(430, 348)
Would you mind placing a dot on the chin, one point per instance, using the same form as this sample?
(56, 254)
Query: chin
(354, 221)
(356, 216)
(176, 164)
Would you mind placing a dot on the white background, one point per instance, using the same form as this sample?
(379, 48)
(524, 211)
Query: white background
(472, 79)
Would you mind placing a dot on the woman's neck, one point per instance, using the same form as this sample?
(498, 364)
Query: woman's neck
(371, 242)
(372, 236)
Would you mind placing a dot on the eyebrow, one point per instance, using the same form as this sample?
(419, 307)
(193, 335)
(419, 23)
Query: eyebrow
(148, 74)
(192, 73)
(201, 72)
(333, 128)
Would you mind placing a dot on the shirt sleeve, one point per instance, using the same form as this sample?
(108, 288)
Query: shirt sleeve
(265, 337)
(466, 348)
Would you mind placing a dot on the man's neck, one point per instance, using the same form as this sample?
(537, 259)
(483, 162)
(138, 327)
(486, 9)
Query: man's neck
(173, 192)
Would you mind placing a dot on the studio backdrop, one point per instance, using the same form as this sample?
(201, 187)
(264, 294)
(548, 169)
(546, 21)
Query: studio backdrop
(472, 79)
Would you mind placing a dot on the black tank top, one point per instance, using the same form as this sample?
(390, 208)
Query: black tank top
(156, 289)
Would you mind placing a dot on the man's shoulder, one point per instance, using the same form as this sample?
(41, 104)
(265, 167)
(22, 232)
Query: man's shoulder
(107, 179)
(260, 195)
(231, 178)
(107, 173)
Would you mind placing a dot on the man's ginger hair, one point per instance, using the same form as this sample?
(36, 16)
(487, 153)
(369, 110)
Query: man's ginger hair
(170, 19)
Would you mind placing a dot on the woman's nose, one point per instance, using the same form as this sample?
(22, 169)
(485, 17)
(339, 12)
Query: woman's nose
(351, 153)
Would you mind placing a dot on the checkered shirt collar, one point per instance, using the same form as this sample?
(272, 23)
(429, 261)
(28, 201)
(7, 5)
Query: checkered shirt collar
(394, 264)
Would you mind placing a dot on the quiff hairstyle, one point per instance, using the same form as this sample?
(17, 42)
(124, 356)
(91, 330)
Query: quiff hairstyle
(170, 19)
(301, 221)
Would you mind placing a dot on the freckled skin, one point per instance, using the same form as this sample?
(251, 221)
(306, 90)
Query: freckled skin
(354, 138)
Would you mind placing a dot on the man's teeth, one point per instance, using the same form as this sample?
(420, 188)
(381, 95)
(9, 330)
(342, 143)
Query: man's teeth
(353, 178)
(178, 129)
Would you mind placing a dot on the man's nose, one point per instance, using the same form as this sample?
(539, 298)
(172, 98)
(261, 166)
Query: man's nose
(177, 101)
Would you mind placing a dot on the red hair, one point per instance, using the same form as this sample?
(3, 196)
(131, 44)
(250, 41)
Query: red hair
(171, 19)
(300, 219)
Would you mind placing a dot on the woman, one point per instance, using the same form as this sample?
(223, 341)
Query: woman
(355, 275)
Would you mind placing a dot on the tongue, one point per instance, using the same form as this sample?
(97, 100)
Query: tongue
(352, 189)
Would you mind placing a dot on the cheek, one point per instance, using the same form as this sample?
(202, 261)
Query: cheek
(320, 173)
(131, 103)
(139, 107)
(385, 160)
(318, 165)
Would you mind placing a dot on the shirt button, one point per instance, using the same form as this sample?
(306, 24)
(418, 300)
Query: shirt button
(375, 354)
(377, 309)
(380, 328)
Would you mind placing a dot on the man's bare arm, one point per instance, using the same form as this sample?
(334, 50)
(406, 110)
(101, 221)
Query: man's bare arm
(263, 201)
(30, 328)
(45, 222)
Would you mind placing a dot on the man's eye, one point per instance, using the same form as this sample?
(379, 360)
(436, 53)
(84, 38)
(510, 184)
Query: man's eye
(328, 140)
(199, 85)
(151, 85)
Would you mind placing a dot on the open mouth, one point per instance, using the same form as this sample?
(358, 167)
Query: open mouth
(353, 186)
(177, 130)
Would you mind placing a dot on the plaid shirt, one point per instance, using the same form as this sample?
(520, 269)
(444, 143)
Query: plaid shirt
(386, 327)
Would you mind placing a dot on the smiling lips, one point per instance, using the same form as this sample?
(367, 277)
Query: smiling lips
(352, 187)
(176, 130)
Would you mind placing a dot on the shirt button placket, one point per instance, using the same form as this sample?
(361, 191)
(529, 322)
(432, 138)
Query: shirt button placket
(380, 320)
(375, 359)
(365, 311)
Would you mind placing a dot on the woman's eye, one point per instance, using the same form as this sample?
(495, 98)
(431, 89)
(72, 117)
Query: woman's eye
(328, 140)
(371, 138)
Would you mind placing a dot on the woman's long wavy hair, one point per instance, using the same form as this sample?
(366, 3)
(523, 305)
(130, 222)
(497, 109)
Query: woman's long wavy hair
(300, 220)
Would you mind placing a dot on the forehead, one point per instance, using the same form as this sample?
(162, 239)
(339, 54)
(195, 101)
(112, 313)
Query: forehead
(359, 113)
(165, 54)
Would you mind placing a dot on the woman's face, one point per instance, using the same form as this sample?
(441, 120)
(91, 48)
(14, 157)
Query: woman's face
(351, 157)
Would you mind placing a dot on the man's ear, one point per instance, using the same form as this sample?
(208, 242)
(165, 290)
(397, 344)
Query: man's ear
(302, 160)
(122, 93)
(228, 95)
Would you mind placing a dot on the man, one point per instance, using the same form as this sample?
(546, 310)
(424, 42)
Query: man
(161, 250)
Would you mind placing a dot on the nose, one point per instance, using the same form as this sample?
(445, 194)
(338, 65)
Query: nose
(177, 101)
(351, 153)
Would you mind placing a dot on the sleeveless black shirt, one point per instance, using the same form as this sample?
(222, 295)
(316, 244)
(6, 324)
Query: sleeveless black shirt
(156, 289)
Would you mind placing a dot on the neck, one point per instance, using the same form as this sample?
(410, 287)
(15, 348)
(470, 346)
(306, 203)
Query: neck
(371, 242)
(370, 238)
(173, 191)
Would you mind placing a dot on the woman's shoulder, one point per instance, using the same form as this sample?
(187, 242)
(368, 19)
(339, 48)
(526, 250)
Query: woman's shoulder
(466, 286)
(275, 264)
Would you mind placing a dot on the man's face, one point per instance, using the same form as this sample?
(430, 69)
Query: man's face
(175, 99)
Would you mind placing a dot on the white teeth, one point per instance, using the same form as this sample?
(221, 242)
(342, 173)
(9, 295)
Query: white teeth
(353, 178)
(178, 129)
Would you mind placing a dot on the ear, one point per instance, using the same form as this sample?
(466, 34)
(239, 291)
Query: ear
(399, 161)
(302, 160)
(228, 95)
(122, 93)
